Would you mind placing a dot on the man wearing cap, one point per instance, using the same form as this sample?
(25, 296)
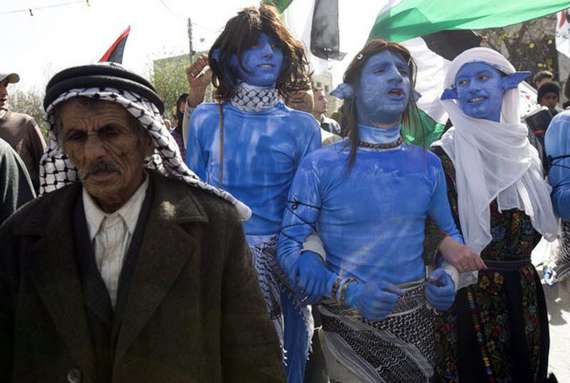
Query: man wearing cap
(20, 131)
(128, 268)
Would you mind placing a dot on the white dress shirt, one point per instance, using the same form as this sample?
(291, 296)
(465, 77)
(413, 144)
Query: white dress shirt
(111, 235)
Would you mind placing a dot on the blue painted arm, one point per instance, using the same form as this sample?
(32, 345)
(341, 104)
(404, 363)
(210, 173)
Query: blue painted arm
(439, 210)
(194, 150)
(314, 140)
(559, 178)
(300, 218)
(557, 144)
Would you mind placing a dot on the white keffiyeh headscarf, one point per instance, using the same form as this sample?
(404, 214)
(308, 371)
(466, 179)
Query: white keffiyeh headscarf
(494, 160)
(56, 170)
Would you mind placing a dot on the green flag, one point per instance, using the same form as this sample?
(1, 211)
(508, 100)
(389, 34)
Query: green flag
(281, 5)
(413, 18)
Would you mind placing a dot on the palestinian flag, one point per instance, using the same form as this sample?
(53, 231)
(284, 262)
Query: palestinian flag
(116, 50)
(435, 31)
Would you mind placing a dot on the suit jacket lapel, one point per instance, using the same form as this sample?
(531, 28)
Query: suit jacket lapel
(165, 250)
(55, 274)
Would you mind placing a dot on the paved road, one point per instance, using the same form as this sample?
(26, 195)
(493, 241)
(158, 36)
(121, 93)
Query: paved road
(558, 302)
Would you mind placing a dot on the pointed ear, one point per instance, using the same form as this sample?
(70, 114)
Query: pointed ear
(416, 95)
(449, 94)
(343, 91)
(511, 81)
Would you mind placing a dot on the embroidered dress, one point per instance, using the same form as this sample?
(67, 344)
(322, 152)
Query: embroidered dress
(497, 329)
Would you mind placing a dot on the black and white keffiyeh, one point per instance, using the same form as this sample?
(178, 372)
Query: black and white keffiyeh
(56, 170)
(249, 98)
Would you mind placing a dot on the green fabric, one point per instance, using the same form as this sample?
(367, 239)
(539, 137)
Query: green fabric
(413, 18)
(429, 130)
(281, 5)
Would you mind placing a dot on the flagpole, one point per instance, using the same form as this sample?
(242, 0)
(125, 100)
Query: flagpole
(190, 39)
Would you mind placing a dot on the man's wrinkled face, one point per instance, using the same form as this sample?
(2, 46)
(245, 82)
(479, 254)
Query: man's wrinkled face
(384, 89)
(261, 64)
(301, 100)
(321, 102)
(103, 141)
(480, 91)
(549, 100)
(3, 93)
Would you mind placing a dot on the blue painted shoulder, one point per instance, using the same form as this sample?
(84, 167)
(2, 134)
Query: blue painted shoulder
(419, 152)
(330, 153)
(204, 114)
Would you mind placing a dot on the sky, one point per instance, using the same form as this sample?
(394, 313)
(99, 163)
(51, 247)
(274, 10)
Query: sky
(63, 33)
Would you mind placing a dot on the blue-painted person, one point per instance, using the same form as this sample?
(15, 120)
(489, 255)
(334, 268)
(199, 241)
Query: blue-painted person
(557, 148)
(368, 198)
(497, 329)
(250, 144)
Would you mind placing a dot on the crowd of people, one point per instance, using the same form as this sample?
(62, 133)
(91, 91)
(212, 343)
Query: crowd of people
(257, 239)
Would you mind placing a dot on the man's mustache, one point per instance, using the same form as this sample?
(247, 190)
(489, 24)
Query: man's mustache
(101, 166)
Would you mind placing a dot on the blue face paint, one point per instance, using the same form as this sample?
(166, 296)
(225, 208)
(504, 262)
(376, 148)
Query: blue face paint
(480, 91)
(384, 89)
(261, 64)
(378, 136)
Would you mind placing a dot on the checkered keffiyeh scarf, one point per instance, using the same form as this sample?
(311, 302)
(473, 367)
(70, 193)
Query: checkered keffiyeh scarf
(56, 170)
(249, 98)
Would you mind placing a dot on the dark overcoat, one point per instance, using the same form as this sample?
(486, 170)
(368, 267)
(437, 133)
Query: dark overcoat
(194, 311)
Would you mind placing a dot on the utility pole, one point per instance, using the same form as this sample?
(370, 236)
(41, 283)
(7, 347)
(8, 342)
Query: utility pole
(190, 39)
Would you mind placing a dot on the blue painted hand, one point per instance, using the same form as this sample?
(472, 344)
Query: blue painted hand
(383, 91)
(479, 88)
(313, 277)
(374, 300)
(440, 290)
(261, 64)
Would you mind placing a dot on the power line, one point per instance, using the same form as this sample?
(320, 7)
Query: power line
(171, 11)
(31, 10)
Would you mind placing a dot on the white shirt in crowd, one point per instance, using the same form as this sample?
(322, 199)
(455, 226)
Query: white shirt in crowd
(111, 235)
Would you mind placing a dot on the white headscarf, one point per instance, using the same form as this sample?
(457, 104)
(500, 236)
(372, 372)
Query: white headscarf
(494, 161)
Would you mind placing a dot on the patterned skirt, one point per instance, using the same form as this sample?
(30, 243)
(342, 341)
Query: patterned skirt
(397, 349)
(496, 331)
(293, 320)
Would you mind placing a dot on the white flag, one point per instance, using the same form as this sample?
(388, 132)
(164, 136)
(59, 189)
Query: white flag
(563, 32)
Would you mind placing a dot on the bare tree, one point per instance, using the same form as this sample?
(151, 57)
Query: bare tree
(529, 46)
(31, 103)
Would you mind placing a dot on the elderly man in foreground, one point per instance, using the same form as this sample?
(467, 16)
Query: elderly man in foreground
(129, 269)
